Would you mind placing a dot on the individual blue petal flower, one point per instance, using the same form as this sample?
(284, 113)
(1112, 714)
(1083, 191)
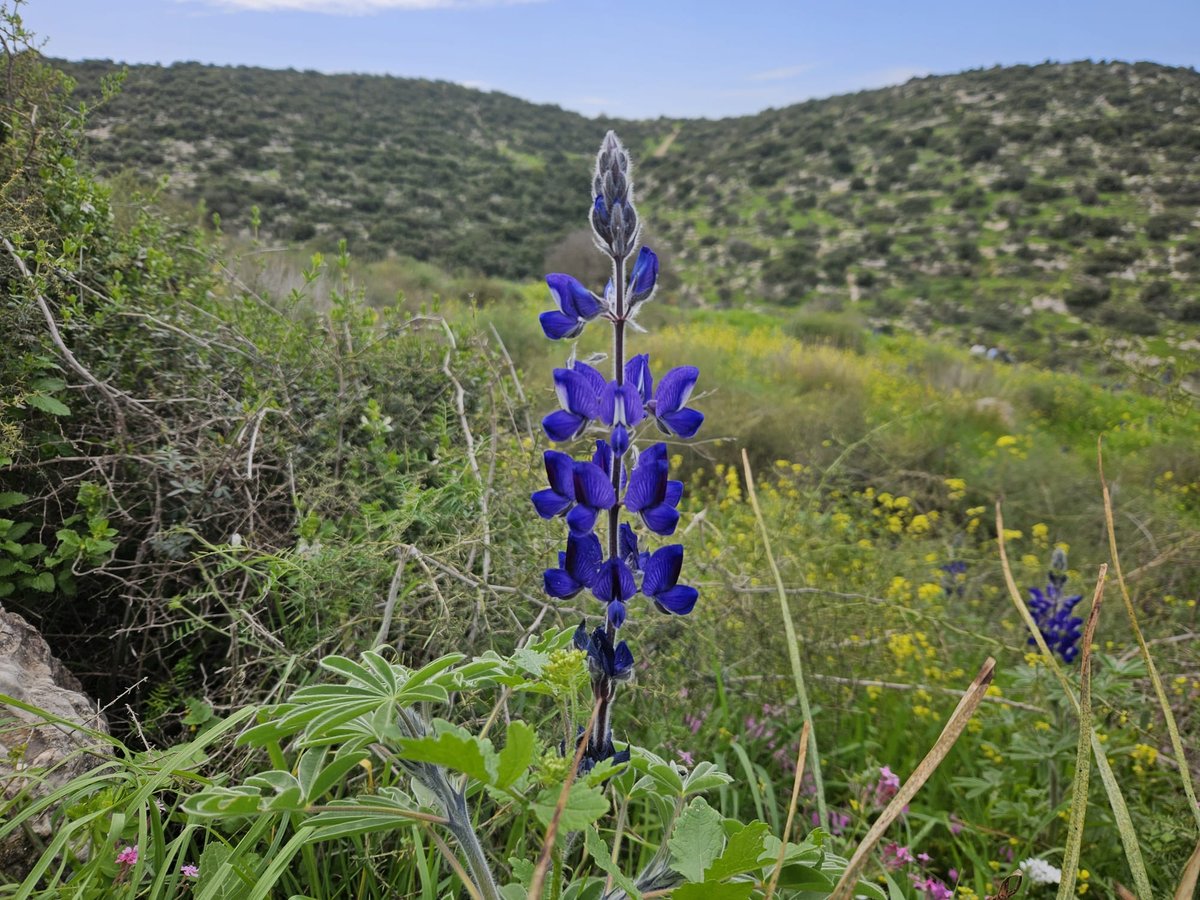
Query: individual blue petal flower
(593, 492)
(637, 373)
(560, 496)
(614, 586)
(576, 307)
(577, 567)
(603, 457)
(660, 582)
(651, 494)
(600, 211)
(644, 276)
(579, 397)
(670, 412)
(621, 404)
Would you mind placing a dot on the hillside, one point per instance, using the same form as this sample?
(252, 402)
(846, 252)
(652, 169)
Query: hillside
(1044, 207)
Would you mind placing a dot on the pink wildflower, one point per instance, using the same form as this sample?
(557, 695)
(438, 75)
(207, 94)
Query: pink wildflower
(933, 889)
(190, 871)
(955, 826)
(128, 856)
(887, 786)
(685, 757)
(925, 858)
(896, 857)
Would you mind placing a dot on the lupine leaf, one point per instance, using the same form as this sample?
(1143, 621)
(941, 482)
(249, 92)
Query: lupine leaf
(704, 777)
(601, 855)
(585, 805)
(455, 748)
(697, 840)
(741, 853)
(517, 754)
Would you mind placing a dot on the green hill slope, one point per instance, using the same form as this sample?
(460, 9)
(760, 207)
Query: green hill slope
(1046, 208)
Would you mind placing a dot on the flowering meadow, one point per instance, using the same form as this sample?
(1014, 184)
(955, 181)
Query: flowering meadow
(582, 595)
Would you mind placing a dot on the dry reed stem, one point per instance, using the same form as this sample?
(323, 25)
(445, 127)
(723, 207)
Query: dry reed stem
(1191, 874)
(793, 644)
(538, 881)
(1083, 756)
(1185, 773)
(787, 828)
(950, 734)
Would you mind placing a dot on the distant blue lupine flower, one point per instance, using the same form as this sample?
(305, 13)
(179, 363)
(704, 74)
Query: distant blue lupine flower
(660, 582)
(576, 307)
(614, 586)
(651, 494)
(577, 567)
(1051, 611)
(593, 493)
(668, 406)
(952, 584)
(578, 389)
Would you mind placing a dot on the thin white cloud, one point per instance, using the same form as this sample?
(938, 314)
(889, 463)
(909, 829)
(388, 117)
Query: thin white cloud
(355, 7)
(783, 73)
(888, 77)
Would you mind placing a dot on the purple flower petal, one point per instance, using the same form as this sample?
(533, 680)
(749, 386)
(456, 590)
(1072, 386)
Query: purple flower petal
(550, 503)
(577, 393)
(582, 519)
(583, 557)
(661, 519)
(679, 600)
(595, 381)
(674, 389)
(557, 325)
(558, 583)
(647, 483)
(684, 423)
(563, 426)
(560, 472)
(593, 487)
(628, 546)
(637, 373)
(616, 613)
(572, 297)
(622, 659)
(644, 275)
(673, 493)
(662, 569)
(614, 582)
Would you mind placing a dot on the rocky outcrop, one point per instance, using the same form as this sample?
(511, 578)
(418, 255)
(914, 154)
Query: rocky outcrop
(36, 757)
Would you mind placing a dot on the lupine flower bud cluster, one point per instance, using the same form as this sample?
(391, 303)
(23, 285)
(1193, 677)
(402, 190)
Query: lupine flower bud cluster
(1052, 611)
(604, 555)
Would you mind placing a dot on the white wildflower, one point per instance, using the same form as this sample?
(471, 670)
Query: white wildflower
(1040, 872)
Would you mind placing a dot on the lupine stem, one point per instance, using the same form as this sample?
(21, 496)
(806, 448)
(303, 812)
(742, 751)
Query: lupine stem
(614, 514)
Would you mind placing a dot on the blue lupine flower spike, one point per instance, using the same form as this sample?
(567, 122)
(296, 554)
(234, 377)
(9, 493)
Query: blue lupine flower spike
(1052, 611)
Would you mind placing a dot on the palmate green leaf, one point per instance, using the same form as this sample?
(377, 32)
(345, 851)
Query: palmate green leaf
(585, 804)
(517, 755)
(601, 855)
(455, 748)
(697, 840)
(743, 853)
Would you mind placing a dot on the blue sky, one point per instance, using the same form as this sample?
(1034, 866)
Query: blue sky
(625, 57)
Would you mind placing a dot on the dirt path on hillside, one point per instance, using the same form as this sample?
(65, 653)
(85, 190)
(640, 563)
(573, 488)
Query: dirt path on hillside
(661, 150)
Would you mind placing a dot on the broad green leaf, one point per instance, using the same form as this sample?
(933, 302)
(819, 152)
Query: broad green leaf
(584, 806)
(43, 582)
(11, 498)
(333, 773)
(697, 840)
(715, 890)
(601, 855)
(704, 777)
(48, 404)
(742, 853)
(455, 748)
(517, 754)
